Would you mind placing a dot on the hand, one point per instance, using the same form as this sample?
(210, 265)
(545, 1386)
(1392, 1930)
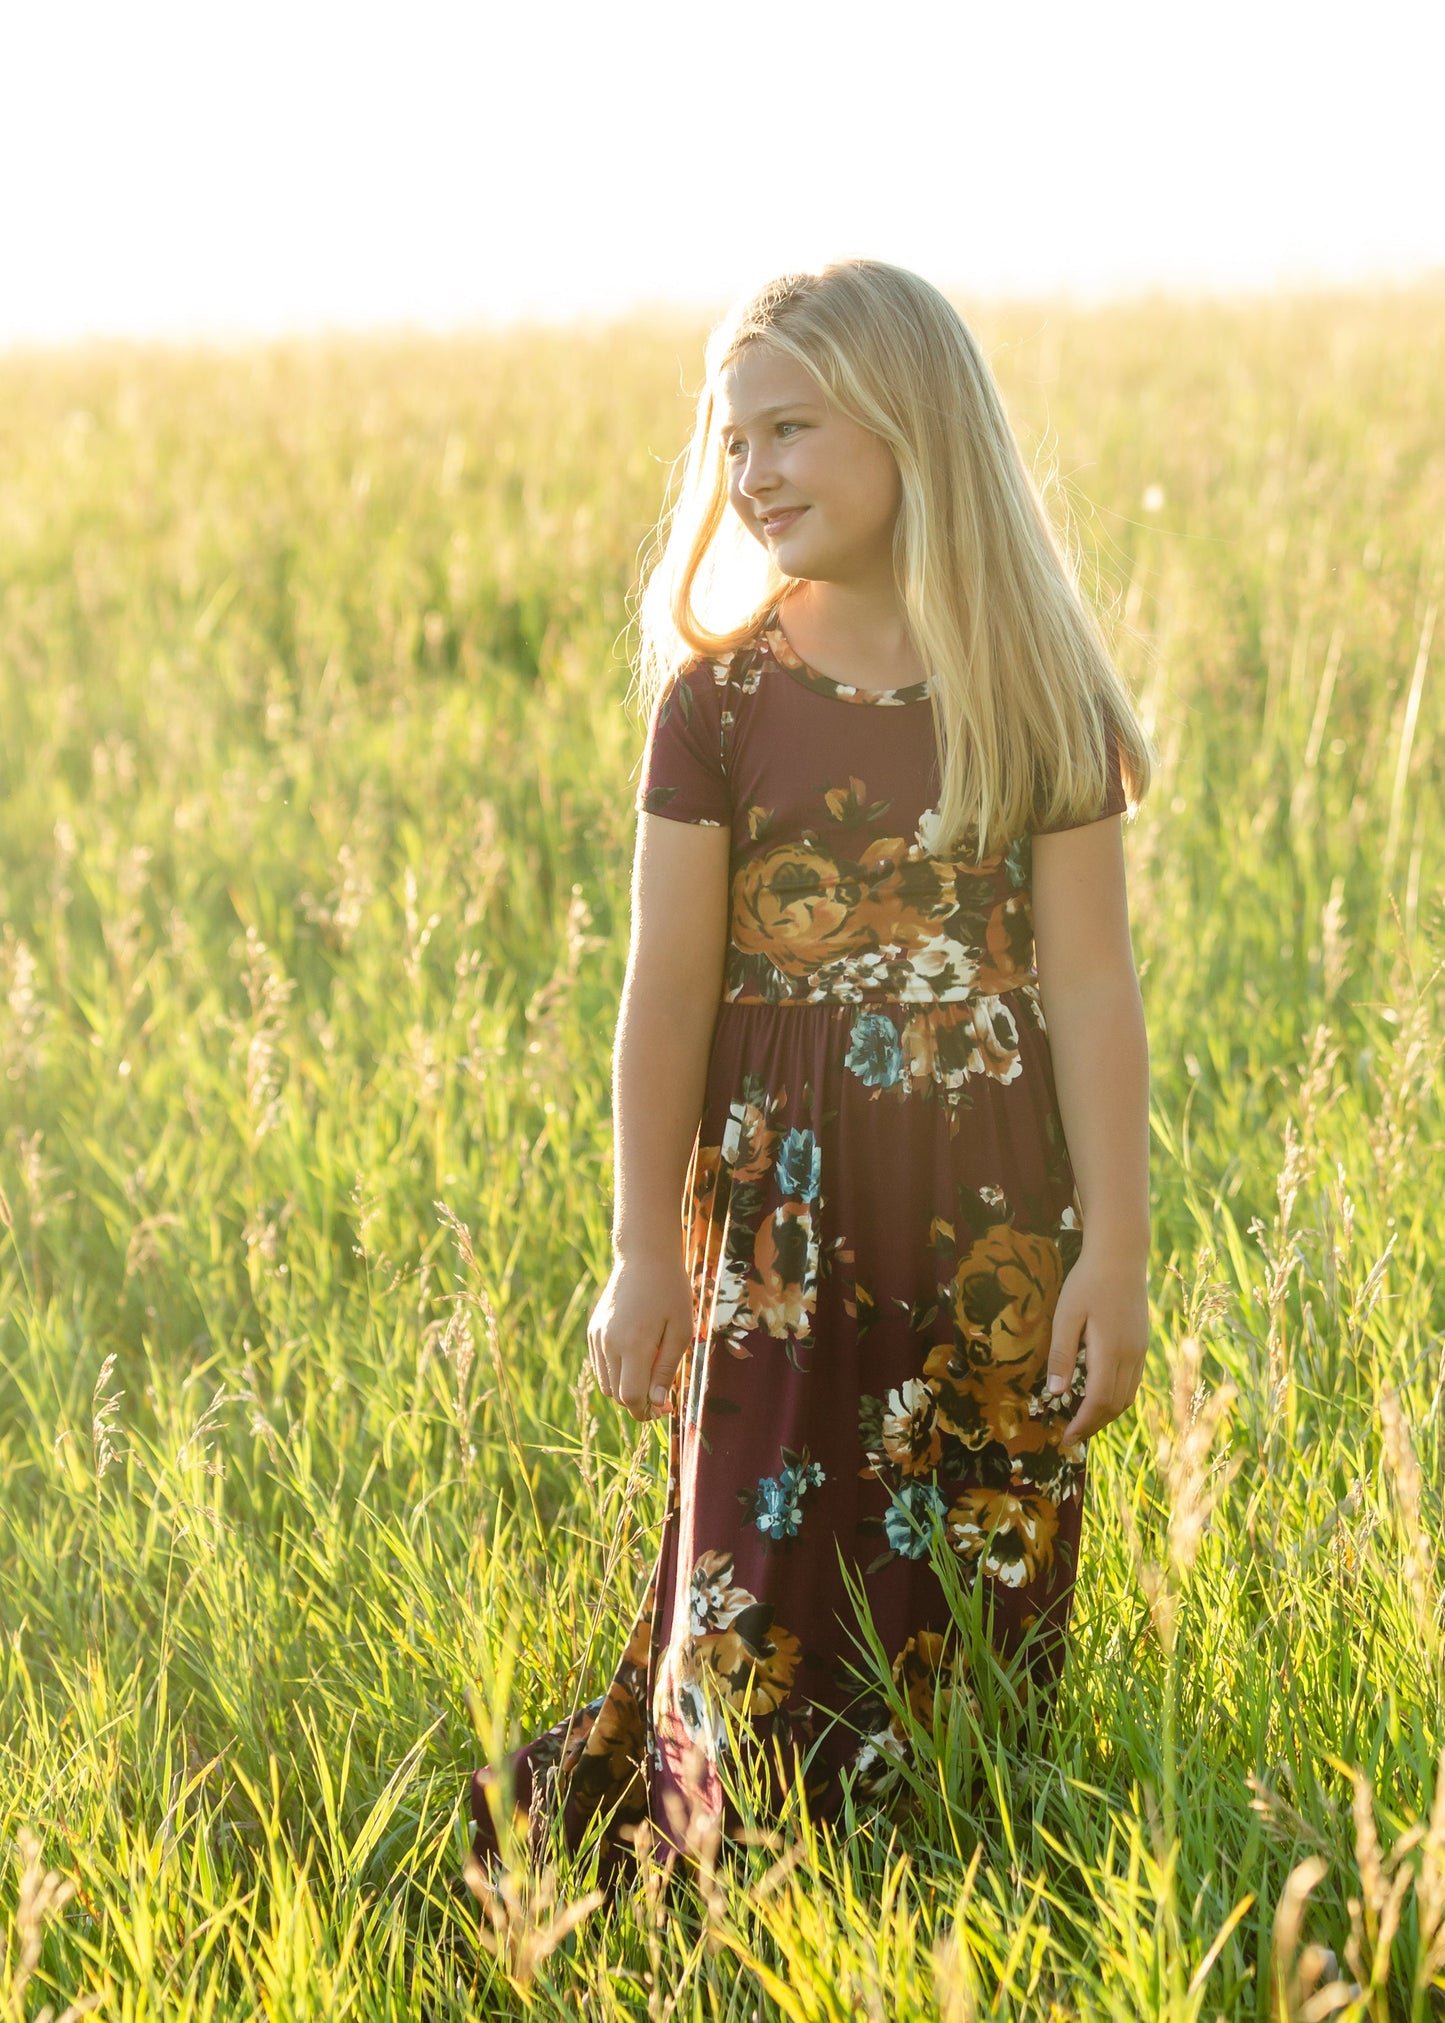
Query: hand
(1105, 1299)
(638, 1331)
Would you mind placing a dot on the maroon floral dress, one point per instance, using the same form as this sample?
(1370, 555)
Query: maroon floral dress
(879, 1213)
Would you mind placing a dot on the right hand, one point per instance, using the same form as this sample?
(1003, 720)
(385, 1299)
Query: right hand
(639, 1330)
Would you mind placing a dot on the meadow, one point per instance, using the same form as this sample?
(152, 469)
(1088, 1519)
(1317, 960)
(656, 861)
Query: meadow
(315, 836)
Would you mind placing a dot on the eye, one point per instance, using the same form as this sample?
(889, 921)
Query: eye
(739, 442)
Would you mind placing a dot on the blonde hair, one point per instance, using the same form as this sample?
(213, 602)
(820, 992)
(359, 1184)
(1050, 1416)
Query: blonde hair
(1022, 680)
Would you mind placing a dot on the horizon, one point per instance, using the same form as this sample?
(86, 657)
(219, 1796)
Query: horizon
(685, 315)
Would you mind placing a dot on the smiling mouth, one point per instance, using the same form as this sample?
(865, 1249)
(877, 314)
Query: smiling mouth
(775, 522)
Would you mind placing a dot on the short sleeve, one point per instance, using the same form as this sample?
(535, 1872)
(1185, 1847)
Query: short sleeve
(682, 763)
(1115, 798)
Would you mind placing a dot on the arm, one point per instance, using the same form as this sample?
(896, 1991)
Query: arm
(1095, 1016)
(642, 1322)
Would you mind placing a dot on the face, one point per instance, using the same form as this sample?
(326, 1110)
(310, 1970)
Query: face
(818, 490)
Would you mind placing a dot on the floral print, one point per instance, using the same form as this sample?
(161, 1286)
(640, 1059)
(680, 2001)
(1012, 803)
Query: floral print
(776, 1505)
(929, 1677)
(878, 1217)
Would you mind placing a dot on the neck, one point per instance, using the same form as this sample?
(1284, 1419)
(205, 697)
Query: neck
(858, 625)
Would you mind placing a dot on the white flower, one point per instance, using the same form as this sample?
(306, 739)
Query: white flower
(927, 835)
(732, 1143)
(940, 954)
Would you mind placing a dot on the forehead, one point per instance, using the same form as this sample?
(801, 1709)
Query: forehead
(758, 379)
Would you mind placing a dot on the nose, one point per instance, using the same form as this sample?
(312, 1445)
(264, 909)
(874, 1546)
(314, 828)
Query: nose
(757, 478)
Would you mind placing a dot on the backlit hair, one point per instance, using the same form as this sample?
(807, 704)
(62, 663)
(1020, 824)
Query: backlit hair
(1021, 677)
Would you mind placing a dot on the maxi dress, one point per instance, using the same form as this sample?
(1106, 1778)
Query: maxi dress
(878, 1215)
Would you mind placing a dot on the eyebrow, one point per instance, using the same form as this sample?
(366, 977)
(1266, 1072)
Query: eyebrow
(781, 407)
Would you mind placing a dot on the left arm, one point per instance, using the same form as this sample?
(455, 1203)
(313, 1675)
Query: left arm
(1100, 1049)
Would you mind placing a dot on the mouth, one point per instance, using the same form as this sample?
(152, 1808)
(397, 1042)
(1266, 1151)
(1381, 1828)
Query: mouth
(775, 523)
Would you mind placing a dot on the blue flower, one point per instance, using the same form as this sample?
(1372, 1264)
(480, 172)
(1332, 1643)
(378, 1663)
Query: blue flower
(908, 1525)
(778, 1512)
(775, 1506)
(875, 1053)
(800, 1165)
(773, 1499)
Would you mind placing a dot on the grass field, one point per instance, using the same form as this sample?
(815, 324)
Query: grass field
(314, 842)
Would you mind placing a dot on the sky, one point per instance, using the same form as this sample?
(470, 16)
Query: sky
(209, 170)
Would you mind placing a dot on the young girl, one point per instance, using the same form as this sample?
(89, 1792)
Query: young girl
(878, 841)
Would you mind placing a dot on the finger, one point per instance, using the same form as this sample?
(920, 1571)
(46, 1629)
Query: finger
(621, 1355)
(1095, 1411)
(1067, 1341)
(665, 1366)
(633, 1379)
(611, 1369)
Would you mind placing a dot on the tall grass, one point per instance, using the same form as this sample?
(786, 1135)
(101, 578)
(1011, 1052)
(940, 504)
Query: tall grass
(314, 838)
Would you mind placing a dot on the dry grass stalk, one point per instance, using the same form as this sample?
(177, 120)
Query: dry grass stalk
(1282, 1258)
(521, 1910)
(1375, 1914)
(700, 1843)
(1403, 1469)
(1182, 1449)
(43, 1895)
(269, 990)
(1282, 1817)
(480, 1298)
(459, 1350)
(105, 1420)
(1302, 1993)
(954, 1974)
(1430, 1893)
(1405, 1091)
(1337, 944)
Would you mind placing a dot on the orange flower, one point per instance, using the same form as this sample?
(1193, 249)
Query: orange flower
(1024, 1522)
(795, 905)
(1004, 1294)
(750, 1141)
(1002, 1299)
(750, 1667)
(926, 1670)
(705, 1219)
(1008, 945)
(905, 899)
(783, 1287)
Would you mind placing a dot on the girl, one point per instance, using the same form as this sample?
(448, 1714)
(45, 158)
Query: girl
(879, 838)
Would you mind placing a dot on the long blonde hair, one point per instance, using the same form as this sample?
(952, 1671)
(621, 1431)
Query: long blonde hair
(1022, 680)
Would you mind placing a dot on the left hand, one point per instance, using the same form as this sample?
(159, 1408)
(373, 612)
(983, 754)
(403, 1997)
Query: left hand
(1104, 1298)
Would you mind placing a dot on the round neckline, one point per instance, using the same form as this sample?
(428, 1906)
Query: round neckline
(776, 642)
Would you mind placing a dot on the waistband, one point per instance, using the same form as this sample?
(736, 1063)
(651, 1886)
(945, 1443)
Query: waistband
(867, 999)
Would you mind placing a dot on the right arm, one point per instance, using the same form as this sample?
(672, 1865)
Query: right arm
(672, 986)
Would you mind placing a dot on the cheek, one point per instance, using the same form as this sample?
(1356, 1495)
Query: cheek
(860, 488)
